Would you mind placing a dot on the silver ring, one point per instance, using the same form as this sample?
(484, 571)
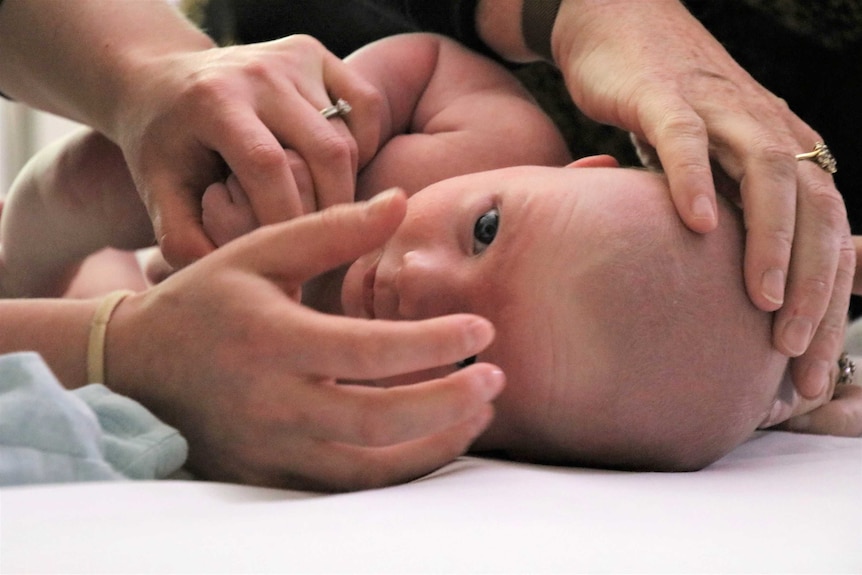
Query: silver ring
(821, 156)
(846, 369)
(339, 108)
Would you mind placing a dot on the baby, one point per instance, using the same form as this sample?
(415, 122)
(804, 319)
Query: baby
(627, 340)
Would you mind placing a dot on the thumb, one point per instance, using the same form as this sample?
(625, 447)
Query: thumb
(305, 247)
(178, 227)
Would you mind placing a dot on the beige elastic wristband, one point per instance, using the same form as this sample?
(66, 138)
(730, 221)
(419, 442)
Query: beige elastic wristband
(537, 23)
(98, 329)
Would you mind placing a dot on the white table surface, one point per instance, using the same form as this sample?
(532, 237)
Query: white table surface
(781, 503)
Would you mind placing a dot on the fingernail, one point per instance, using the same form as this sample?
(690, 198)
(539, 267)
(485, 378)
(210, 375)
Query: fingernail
(701, 208)
(796, 336)
(478, 334)
(382, 198)
(772, 285)
(492, 383)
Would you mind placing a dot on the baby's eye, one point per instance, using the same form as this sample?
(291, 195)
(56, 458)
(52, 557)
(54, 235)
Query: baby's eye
(485, 230)
(465, 362)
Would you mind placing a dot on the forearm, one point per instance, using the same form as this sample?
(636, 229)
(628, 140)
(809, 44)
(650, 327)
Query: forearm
(556, 28)
(55, 328)
(81, 59)
(498, 25)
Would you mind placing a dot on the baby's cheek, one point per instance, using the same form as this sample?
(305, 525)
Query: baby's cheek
(223, 218)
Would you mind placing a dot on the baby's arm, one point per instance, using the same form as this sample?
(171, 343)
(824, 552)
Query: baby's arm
(72, 199)
(449, 111)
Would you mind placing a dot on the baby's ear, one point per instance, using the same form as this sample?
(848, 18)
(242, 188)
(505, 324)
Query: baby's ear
(603, 161)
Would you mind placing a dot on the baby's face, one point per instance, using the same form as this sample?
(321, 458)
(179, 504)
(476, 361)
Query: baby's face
(496, 244)
(529, 249)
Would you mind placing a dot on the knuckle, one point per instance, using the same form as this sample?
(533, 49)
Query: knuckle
(371, 100)
(847, 259)
(782, 108)
(207, 86)
(265, 157)
(334, 147)
(775, 157)
(364, 352)
(818, 287)
(304, 41)
(827, 203)
(371, 424)
(683, 124)
(780, 237)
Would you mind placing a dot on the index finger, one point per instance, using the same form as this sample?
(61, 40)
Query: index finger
(681, 140)
(301, 249)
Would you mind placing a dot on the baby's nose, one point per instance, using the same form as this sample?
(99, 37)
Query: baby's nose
(425, 287)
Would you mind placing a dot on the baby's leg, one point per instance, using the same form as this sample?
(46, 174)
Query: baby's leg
(71, 200)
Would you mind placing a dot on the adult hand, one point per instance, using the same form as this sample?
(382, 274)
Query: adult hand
(651, 68)
(224, 351)
(842, 415)
(837, 411)
(186, 114)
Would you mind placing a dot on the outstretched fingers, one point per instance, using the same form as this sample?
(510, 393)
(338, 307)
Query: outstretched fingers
(300, 250)
(379, 417)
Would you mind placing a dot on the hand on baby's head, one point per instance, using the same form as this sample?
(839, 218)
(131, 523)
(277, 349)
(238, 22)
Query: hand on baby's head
(642, 349)
(227, 211)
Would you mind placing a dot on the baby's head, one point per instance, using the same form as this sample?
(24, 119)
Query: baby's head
(627, 340)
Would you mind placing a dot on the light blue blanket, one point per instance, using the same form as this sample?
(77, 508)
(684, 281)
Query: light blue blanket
(49, 434)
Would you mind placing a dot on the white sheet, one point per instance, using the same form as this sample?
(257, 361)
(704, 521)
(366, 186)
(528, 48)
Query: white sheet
(781, 503)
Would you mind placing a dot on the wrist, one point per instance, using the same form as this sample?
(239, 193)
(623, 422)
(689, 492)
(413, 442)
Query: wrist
(121, 349)
(98, 332)
(142, 76)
